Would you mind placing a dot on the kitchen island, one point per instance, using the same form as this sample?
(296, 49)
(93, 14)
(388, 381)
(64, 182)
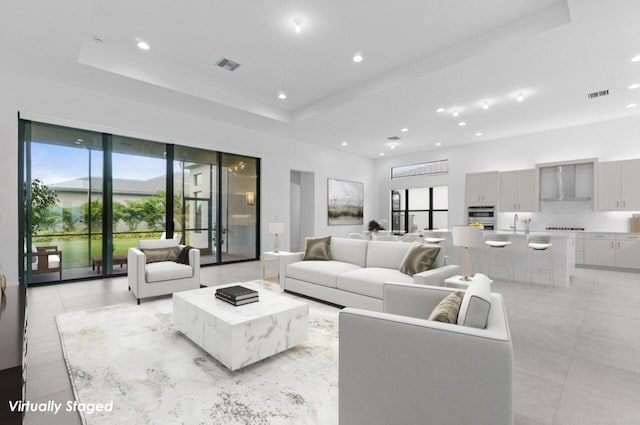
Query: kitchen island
(563, 249)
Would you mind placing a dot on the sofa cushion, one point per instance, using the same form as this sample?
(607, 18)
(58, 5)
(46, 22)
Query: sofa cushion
(419, 258)
(156, 255)
(447, 310)
(317, 249)
(157, 243)
(386, 255)
(323, 273)
(352, 251)
(369, 281)
(166, 270)
(476, 304)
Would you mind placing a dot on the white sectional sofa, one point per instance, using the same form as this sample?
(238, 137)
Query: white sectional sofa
(355, 275)
(418, 371)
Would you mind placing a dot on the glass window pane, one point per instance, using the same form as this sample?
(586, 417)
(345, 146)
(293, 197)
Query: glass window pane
(195, 199)
(440, 219)
(418, 221)
(66, 210)
(419, 198)
(239, 182)
(139, 193)
(441, 198)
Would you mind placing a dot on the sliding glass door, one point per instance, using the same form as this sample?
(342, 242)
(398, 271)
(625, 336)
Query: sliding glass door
(238, 208)
(63, 203)
(139, 195)
(89, 197)
(196, 192)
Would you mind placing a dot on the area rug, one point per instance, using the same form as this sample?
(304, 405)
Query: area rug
(133, 356)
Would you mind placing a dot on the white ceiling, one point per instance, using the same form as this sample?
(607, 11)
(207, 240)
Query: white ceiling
(418, 55)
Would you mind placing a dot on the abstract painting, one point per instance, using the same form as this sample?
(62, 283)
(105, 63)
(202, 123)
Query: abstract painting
(345, 202)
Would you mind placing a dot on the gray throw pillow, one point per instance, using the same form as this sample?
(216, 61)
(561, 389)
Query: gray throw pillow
(155, 255)
(447, 310)
(419, 258)
(317, 249)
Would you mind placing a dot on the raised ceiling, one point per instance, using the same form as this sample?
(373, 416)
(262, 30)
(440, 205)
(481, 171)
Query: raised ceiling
(418, 55)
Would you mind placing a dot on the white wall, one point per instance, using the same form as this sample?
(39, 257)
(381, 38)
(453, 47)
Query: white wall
(57, 103)
(609, 140)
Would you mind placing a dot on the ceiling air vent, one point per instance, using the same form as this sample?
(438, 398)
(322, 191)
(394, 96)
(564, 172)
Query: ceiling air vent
(597, 94)
(227, 64)
(393, 138)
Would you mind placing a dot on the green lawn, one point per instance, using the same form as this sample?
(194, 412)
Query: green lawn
(75, 251)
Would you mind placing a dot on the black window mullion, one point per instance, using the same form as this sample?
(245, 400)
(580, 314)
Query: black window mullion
(107, 205)
(169, 226)
(218, 228)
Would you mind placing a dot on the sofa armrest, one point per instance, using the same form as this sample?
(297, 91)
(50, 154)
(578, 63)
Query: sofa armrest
(416, 369)
(436, 277)
(194, 262)
(294, 257)
(136, 261)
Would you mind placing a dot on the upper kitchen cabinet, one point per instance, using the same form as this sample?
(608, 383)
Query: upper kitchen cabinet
(618, 185)
(482, 188)
(518, 190)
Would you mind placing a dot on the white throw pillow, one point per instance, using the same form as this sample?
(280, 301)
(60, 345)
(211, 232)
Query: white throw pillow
(474, 310)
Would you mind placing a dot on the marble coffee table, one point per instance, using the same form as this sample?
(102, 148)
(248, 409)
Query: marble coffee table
(240, 336)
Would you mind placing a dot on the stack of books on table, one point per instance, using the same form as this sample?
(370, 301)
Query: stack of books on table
(237, 295)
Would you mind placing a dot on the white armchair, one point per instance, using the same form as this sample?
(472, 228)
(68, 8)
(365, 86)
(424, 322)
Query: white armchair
(162, 277)
(397, 367)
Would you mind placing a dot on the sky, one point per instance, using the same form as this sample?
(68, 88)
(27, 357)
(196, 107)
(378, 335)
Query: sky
(55, 164)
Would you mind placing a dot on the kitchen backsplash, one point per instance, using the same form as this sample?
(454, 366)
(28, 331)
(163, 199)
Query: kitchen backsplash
(571, 214)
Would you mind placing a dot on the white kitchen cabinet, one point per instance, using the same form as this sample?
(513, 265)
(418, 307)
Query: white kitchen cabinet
(628, 251)
(482, 188)
(617, 185)
(612, 250)
(599, 249)
(579, 248)
(518, 190)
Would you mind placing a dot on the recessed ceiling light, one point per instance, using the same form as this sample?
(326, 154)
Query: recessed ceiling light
(478, 134)
(520, 97)
(455, 113)
(282, 95)
(297, 25)
(439, 144)
(357, 58)
(462, 123)
(440, 110)
(634, 86)
(404, 130)
(381, 154)
(485, 105)
(143, 45)
(631, 105)
(79, 141)
(635, 58)
(344, 143)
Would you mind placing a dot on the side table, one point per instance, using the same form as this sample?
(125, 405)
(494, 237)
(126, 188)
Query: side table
(276, 257)
(458, 282)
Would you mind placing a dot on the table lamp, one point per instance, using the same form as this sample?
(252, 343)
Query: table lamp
(276, 228)
(467, 237)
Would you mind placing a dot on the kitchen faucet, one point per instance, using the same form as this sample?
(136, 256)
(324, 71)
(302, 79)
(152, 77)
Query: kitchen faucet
(515, 223)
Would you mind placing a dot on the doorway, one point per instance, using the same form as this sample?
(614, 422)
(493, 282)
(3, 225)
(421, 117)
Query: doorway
(302, 208)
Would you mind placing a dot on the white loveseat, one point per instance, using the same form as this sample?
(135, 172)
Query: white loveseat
(356, 273)
(418, 371)
(163, 277)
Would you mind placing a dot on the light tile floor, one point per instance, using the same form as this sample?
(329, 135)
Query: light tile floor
(576, 350)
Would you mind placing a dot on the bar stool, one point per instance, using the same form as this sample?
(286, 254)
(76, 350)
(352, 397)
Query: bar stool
(539, 244)
(498, 241)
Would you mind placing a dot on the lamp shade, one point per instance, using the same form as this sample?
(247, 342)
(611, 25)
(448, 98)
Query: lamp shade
(467, 236)
(276, 228)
